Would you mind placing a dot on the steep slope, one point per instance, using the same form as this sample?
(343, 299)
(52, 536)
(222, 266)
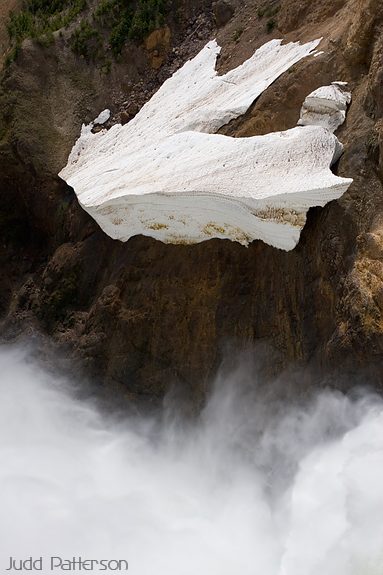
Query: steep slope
(6, 7)
(143, 315)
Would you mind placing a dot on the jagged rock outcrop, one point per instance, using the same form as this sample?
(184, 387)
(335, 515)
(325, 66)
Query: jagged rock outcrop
(143, 315)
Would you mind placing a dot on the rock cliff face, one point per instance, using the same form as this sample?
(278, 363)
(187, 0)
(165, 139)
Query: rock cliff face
(143, 315)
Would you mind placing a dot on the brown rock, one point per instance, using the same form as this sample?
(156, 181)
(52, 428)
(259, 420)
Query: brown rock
(159, 39)
(158, 44)
(223, 12)
(142, 315)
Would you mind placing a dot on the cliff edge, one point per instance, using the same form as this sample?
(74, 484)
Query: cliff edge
(142, 315)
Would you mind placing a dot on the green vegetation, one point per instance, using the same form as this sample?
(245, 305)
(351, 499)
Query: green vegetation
(237, 34)
(116, 20)
(120, 31)
(372, 144)
(12, 56)
(106, 67)
(269, 10)
(86, 41)
(129, 20)
(109, 11)
(38, 19)
(148, 16)
(270, 25)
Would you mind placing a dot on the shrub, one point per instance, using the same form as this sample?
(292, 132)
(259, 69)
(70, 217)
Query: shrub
(12, 55)
(268, 11)
(106, 67)
(46, 39)
(21, 26)
(148, 16)
(271, 11)
(86, 41)
(270, 25)
(39, 19)
(123, 19)
(107, 9)
(46, 6)
(130, 22)
(120, 32)
(237, 34)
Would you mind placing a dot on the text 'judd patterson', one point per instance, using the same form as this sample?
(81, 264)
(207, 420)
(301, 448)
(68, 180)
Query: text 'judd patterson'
(55, 563)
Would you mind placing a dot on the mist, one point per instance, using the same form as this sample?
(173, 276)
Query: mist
(253, 485)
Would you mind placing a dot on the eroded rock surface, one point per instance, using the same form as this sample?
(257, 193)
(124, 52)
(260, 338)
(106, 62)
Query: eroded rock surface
(143, 315)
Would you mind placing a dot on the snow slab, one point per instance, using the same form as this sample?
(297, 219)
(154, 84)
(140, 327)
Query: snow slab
(168, 175)
(326, 106)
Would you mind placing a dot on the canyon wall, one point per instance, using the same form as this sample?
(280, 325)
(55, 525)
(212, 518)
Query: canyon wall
(140, 316)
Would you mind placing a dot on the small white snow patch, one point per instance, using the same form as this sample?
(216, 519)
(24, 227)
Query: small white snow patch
(102, 117)
(326, 106)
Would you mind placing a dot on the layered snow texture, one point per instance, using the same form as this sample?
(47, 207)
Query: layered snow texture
(326, 106)
(167, 174)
